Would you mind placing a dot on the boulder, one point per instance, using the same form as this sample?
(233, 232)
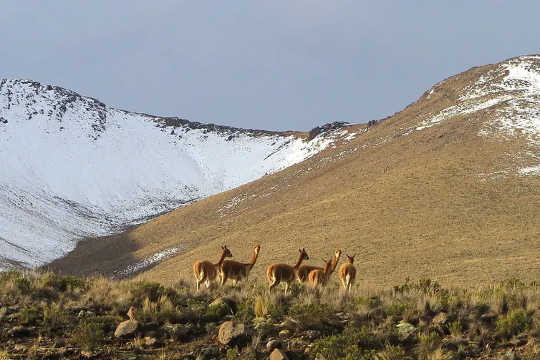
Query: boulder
(229, 331)
(126, 328)
(278, 354)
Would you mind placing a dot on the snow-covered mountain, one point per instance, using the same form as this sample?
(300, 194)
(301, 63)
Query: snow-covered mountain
(72, 167)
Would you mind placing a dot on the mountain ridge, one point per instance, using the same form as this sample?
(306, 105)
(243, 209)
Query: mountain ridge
(73, 167)
(437, 190)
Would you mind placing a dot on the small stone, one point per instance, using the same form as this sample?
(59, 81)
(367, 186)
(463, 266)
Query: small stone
(19, 348)
(229, 331)
(125, 328)
(440, 319)
(176, 331)
(405, 329)
(273, 344)
(150, 341)
(289, 323)
(284, 333)
(312, 335)
(278, 354)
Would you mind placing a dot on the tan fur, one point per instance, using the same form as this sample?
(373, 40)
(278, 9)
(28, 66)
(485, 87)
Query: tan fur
(277, 273)
(347, 273)
(207, 271)
(237, 271)
(319, 277)
(304, 270)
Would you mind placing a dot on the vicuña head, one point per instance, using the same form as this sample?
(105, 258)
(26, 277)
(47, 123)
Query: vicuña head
(277, 273)
(347, 273)
(208, 271)
(304, 270)
(237, 271)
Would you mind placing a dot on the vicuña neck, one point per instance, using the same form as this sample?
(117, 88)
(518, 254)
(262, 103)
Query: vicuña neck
(221, 258)
(299, 261)
(253, 258)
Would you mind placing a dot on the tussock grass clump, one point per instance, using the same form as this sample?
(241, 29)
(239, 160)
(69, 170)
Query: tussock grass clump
(414, 320)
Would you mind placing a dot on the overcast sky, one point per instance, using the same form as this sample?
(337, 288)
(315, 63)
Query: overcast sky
(274, 65)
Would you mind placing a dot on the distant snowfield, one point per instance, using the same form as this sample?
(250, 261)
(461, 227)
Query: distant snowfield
(71, 167)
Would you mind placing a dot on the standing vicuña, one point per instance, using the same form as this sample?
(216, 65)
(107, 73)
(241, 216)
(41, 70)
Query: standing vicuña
(347, 273)
(277, 273)
(237, 271)
(205, 270)
(304, 270)
(319, 277)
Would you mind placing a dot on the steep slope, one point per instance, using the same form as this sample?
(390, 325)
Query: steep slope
(447, 188)
(72, 167)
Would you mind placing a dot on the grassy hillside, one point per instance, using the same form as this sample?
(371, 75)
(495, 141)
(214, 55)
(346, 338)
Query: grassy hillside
(45, 316)
(441, 202)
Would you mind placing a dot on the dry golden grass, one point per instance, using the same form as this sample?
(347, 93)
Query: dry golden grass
(421, 205)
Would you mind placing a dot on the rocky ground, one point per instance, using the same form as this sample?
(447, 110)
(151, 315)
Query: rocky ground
(45, 316)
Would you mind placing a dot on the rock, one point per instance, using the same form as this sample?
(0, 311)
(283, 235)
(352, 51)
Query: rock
(176, 331)
(284, 333)
(273, 344)
(289, 323)
(19, 331)
(126, 328)
(440, 319)
(278, 354)
(229, 303)
(149, 341)
(228, 331)
(405, 329)
(19, 348)
(312, 334)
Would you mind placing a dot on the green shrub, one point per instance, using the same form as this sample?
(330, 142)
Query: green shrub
(150, 290)
(514, 323)
(352, 343)
(29, 315)
(308, 313)
(63, 283)
(23, 285)
(54, 317)
(88, 334)
(216, 312)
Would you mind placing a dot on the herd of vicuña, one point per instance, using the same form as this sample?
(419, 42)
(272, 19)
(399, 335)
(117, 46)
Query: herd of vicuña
(209, 272)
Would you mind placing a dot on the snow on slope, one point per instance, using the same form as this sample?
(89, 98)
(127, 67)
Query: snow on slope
(513, 85)
(71, 167)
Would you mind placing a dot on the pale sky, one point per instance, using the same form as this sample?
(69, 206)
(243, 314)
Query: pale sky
(276, 65)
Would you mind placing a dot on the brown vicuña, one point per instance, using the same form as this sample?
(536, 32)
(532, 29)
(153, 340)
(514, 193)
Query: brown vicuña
(277, 273)
(237, 271)
(347, 273)
(208, 271)
(319, 277)
(304, 270)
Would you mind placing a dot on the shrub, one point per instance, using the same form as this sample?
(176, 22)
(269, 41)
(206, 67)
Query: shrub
(53, 317)
(216, 312)
(514, 323)
(352, 343)
(88, 334)
(23, 285)
(63, 283)
(29, 315)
